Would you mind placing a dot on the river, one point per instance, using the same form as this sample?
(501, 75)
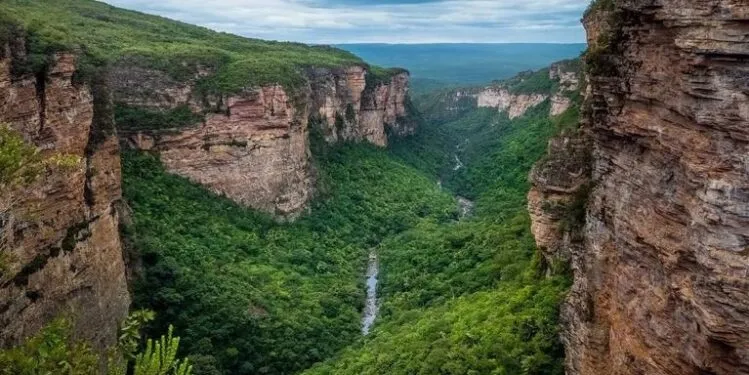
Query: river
(371, 306)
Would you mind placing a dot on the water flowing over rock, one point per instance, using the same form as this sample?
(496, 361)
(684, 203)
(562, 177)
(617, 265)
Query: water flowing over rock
(660, 264)
(59, 235)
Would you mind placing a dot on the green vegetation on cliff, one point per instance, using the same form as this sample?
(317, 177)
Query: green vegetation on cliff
(468, 297)
(105, 34)
(250, 295)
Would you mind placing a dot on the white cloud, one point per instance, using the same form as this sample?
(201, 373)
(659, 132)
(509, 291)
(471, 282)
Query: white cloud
(340, 22)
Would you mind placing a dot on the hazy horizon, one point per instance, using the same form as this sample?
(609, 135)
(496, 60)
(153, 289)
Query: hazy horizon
(381, 22)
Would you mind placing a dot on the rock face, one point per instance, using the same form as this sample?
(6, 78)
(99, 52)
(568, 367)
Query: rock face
(660, 265)
(559, 104)
(557, 197)
(59, 236)
(253, 147)
(503, 100)
(256, 154)
(566, 74)
(350, 109)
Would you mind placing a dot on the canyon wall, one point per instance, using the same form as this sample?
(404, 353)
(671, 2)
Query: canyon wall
(256, 153)
(60, 248)
(504, 97)
(352, 107)
(660, 254)
(503, 100)
(253, 147)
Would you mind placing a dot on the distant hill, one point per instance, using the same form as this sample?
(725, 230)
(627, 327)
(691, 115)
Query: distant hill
(435, 65)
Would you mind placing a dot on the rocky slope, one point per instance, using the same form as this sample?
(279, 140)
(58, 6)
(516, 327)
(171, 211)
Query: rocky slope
(59, 236)
(660, 263)
(253, 146)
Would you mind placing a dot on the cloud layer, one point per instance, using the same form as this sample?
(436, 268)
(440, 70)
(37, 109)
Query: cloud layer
(386, 21)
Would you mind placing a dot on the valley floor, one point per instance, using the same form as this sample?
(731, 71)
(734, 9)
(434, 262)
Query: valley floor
(249, 295)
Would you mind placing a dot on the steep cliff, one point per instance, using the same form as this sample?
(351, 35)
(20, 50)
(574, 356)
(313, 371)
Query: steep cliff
(228, 112)
(255, 152)
(354, 105)
(59, 236)
(253, 146)
(660, 264)
(502, 99)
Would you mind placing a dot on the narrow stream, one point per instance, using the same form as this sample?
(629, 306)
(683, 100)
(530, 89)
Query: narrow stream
(458, 163)
(465, 205)
(371, 306)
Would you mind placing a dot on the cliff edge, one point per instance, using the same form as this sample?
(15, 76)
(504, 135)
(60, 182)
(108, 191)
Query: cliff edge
(59, 235)
(659, 257)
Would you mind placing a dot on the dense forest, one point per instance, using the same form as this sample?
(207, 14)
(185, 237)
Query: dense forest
(461, 292)
(468, 297)
(250, 295)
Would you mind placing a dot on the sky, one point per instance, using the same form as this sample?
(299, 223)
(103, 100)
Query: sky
(380, 21)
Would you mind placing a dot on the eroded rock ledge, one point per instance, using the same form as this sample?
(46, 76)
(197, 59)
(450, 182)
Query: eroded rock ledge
(660, 266)
(253, 146)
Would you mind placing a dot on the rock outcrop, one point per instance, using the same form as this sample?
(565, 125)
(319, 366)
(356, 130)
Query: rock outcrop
(566, 76)
(59, 236)
(352, 109)
(253, 147)
(660, 264)
(256, 153)
(556, 200)
(502, 99)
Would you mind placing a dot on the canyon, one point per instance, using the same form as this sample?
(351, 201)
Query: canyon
(643, 205)
(62, 254)
(515, 96)
(658, 172)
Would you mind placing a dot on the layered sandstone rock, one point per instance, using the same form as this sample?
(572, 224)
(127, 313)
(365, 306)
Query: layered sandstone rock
(256, 153)
(514, 104)
(59, 235)
(353, 110)
(253, 147)
(336, 96)
(565, 73)
(559, 104)
(557, 196)
(660, 281)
